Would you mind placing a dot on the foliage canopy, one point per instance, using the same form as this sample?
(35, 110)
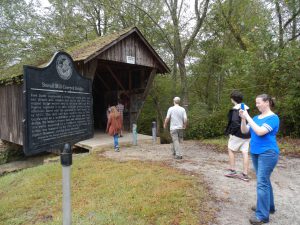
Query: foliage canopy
(213, 47)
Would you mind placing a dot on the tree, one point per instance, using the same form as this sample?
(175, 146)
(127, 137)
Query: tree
(288, 16)
(177, 31)
(180, 47)
(17, 29)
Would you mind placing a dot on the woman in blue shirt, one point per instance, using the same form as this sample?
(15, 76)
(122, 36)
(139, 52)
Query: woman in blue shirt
(264, 153)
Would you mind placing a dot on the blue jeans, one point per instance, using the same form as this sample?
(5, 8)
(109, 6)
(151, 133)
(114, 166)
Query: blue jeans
(264, 164)
(116, 141)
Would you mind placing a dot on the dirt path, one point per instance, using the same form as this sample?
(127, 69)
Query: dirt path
(234, 197)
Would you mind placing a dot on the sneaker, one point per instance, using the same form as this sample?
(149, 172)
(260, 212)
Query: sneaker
(256, 221)
(253, 208)
(232, 173)
(178, 157)
(117, 149)
(243, 177)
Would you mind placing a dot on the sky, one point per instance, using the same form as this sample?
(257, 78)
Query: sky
(44, 3)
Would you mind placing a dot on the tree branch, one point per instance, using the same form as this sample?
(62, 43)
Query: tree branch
(294, 37)
(234, 32)
(163, 34)
(180, 8)
(198, 26)
(291, 19)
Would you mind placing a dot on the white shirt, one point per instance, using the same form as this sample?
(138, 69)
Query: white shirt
(238, 106)
(178, 117)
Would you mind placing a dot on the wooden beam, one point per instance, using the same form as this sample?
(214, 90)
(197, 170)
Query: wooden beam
(115, 77)
(79, 67)
(90, 69)
(103, 82)
(148, 86)
(149, 83)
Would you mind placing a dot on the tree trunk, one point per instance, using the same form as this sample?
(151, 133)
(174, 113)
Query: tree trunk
(280, 26)
(179, 51)
(174, 76)
(184, 84)
(294, 23)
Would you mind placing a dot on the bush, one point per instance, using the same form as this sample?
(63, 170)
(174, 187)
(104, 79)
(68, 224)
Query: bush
(10, 152)
(165, 137)
(206, 125)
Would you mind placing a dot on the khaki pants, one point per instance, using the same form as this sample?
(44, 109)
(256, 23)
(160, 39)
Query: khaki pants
(177, 137)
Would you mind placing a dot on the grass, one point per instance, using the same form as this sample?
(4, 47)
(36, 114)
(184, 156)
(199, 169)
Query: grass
(105, 192)
(288, 146)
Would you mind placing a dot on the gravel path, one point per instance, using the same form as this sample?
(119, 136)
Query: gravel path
(234, 197)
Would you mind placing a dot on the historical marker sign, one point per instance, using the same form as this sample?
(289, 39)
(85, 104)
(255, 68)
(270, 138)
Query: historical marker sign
(58, 106)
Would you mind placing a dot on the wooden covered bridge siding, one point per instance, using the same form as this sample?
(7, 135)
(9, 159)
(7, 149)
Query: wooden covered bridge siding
(11, 113)
(113, 76)
(130, 46)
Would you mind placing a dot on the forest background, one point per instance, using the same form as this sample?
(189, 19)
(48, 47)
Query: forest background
(212, 47)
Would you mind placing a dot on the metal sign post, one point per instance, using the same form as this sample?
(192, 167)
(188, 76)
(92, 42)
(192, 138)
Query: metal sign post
(154, 132)
(66, 162)
(134, 134)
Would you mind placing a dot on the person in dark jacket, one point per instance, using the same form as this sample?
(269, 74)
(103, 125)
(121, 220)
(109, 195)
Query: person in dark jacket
(237, 140)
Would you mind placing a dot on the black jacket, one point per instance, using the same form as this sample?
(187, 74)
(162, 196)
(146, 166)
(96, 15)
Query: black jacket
(234, 124)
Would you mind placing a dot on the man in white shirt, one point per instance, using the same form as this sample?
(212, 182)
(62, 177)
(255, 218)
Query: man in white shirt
(178, 117)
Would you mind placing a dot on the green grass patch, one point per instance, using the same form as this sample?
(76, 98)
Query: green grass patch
(288, 146)
(222, 142)
(105, 192)
(217, 144)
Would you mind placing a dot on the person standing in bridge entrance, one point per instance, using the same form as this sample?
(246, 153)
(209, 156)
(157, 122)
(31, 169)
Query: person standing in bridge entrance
(178, 117)
(120, 108)
(114, 125)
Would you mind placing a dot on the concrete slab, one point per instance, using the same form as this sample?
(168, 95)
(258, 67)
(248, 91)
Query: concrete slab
(101, 140)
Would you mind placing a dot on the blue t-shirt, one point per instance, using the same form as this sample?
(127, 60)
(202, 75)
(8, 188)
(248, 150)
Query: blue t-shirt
(260, 144)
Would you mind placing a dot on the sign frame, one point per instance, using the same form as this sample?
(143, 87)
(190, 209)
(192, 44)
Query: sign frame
(52, 96)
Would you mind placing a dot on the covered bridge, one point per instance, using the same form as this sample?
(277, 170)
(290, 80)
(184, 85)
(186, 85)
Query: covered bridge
(121, 65)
